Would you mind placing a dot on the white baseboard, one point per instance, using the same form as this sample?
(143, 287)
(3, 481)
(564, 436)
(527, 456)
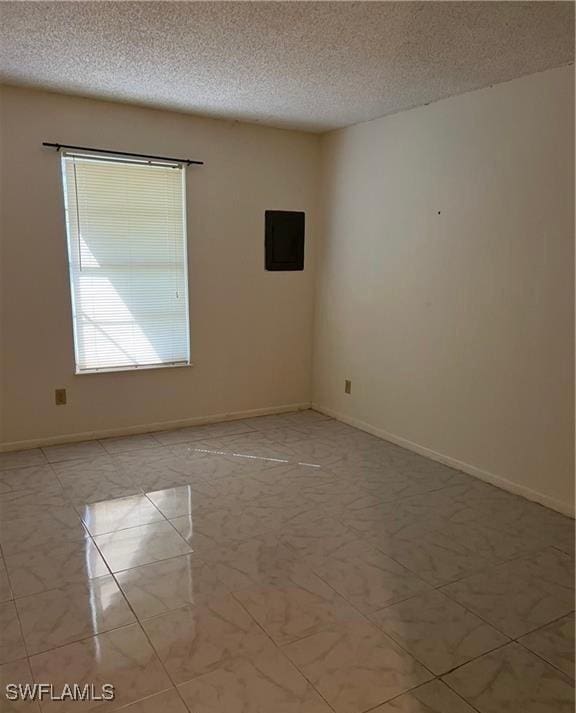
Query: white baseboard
(150, 427)
(497, 480)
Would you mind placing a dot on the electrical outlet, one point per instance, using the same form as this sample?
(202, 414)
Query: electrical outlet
(60, 397)
(347, 386)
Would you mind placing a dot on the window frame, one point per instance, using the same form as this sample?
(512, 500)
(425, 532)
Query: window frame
(102, 156)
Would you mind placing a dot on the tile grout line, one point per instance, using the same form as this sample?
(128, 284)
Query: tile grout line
(232, 592)
(107, 631)
(411, 692)
(21, 628)
(447, 683)
(480, 616)
(360, 537)
(279, 648)
(110, 574)
(369, 621)
(433, 588)
(152, 647)
(539, 656)
(363, 616)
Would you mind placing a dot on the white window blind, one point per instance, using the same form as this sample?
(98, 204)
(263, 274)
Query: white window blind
(128, 268)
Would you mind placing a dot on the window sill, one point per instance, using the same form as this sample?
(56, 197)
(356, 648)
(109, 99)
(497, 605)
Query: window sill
(120, 369)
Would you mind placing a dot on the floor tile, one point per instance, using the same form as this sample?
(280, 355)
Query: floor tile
(90, 487)
(555, 643)
(167, 702)
(287, 531)
(367, 578)
(11, 641)
(94, 480)
(120, 514)
(31, 503)
(319, 537)
(559, 530)
(530, 520)
(294, 419)
(77, 611)
(187, 469)
(466, 500)
(249, 489)
(392, 486)
(315, 452)
(519, 596)
(186, 527)
(93, 467)
(512, 679)
(140, 545)
(122, 444)
(21, 459)
(433, 697)
(73, 451)
(122, 657)
(336, 430)
(202, 432)
(394, 481)
(48, 567)
(336, 498)
(295, 472)
(36, 477)
(435, 557)
(287, 434)
(258, 560)
(304, 418)
(161, 586)
(489, 542)
(5, 588)
(437, 631)
(247, 449)
(356, 667)
(162, 471)
(194, 640)
(550, 566)
(263, 684)
(236, 523)
(233, 524)
(185, 499)
(142, 457)
(295, 608)
(252, 443)
(16, 672)
(344, 462)
(91, 490)
(49, 529)
(381, 521)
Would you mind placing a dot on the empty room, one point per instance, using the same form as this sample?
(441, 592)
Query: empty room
(287, 357)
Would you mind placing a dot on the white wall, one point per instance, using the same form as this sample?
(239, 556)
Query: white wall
(446, 281)
(251, 329)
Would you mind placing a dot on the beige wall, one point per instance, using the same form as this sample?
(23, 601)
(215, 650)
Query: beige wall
(444, 289)
(446, 281)
(251, 329)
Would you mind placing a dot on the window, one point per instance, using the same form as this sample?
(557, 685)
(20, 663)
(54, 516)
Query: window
(126, 231)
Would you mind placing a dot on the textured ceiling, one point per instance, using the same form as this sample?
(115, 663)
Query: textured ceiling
(308, 65)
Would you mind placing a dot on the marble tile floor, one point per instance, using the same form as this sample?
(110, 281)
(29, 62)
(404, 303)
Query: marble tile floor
(280, 564)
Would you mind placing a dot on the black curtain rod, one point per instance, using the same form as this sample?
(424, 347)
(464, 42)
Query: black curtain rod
(187, 161)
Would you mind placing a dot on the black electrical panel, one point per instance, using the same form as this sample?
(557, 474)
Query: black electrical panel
(284, 241)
